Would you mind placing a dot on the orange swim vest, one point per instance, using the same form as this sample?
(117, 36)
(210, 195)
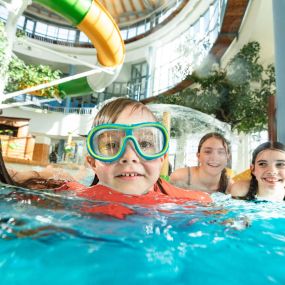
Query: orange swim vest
(172, 194)
(115, 199)
(188, 195)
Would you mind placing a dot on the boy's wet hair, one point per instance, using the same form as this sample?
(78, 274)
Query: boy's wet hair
(110, 112)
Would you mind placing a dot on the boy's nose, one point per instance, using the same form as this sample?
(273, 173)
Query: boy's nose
(130, 154)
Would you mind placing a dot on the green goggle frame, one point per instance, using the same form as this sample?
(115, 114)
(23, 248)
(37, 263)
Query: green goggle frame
(128, 135)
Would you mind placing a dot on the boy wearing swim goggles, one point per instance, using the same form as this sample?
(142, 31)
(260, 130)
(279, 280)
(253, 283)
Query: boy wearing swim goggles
(127, 147)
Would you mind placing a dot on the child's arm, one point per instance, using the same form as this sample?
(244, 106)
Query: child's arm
(180, 178)
(239, 189)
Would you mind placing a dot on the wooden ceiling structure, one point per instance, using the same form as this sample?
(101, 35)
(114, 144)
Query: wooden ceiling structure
(125, 12)
(233, 17)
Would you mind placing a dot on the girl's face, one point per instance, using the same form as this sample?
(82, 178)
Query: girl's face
(213, 156)
(269, 170)
(131, 174)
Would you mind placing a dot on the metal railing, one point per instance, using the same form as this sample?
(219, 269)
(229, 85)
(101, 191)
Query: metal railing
(68, 110)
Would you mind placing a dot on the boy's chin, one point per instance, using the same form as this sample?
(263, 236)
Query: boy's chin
(133, 190)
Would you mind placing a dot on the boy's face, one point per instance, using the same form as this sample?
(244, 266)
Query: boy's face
(131, 174)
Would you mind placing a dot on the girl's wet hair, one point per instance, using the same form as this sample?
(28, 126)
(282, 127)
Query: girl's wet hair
(218, 136)
(224, 180)
(253, 185)
(4, 175)
(265, 146)
(42, 183)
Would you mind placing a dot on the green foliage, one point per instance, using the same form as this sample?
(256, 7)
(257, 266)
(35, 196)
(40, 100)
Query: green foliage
(3, 46)
(6, 132)
(237, 94)
(21, 75)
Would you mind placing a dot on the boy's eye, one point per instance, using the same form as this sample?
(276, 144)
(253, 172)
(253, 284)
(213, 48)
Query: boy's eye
(146, 144)
(109, 147)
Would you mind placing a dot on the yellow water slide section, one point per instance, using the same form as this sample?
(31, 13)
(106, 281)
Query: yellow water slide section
(103, 32)
(95, 21)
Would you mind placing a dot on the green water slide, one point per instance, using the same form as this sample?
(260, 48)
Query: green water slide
(94, 20)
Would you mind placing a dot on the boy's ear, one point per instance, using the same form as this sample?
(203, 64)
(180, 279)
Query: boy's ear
(91, 161)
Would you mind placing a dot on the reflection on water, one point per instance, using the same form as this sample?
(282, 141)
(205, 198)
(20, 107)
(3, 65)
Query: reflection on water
(46, 236)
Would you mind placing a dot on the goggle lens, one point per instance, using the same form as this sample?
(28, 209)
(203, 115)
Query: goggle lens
(150, 140)
(108, 143)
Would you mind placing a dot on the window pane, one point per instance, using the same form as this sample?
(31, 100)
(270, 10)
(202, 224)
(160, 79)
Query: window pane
(3, 13)
(62, 34)
(71, 35)
(117, 88)
(41, 28)
(52, 32)
(124, 34)
(30, 26)
(144, 69)
(147, 26)
(141, 29)
(132, 32)
(83, 38)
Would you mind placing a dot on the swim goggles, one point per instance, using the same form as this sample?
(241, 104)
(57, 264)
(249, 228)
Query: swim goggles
(108, 142)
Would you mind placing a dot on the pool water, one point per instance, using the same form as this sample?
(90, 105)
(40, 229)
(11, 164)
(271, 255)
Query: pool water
(47, 239)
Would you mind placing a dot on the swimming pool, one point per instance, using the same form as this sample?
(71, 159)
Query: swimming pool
(46, 239)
